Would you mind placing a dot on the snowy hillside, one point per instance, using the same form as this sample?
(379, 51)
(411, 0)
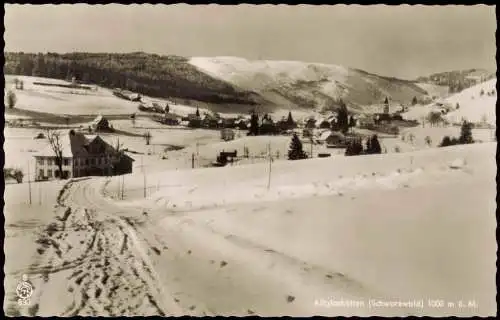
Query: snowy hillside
(434, 90)
(59, 101)
(261, 74)
(473, 106)
(308, 85)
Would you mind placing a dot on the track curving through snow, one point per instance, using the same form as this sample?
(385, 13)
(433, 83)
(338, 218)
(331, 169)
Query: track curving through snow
(118, 261)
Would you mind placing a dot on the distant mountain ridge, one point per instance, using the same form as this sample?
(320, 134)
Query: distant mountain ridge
(458, 80)
(312, 86)
(230, 84)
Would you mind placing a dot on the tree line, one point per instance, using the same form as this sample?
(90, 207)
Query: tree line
(147, 74)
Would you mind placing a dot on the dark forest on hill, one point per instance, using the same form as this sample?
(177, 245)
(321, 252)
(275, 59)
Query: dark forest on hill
(147, 74)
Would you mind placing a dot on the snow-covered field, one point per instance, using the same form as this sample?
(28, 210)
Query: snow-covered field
(59, 100)
(217, 241)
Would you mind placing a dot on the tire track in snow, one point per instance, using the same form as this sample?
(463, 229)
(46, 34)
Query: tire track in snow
(111, 275)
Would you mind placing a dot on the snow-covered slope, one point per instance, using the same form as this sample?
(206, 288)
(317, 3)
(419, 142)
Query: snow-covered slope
(59, 100)
(361, 219)
(473, 106)
(434, 90)
(308, 85)
(260, 74)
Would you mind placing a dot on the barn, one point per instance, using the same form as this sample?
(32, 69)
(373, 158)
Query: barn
(100, 124)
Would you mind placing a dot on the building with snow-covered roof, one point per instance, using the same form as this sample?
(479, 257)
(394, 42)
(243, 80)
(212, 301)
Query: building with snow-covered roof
(100, 124)
(81, 156)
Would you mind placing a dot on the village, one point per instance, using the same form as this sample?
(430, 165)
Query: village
(85, 153)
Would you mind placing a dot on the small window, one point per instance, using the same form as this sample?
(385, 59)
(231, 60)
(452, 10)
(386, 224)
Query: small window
(86, 162)
(40, 173)
(66, 162)
(49, 173)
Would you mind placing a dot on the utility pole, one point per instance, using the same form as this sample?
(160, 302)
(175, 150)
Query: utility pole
(123, 184)
(311, 138)
(270, 161)
(144, 175)
(197, 155)
(29, 181)
(192, 161)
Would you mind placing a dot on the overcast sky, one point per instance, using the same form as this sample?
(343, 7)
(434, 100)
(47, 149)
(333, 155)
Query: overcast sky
(402, 41)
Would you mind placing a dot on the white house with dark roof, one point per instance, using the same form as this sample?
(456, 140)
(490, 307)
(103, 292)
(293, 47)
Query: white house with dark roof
(83, 155)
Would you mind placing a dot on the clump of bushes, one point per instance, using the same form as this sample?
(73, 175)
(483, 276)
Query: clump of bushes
(16, 174)
(355, 147)
(464, 138)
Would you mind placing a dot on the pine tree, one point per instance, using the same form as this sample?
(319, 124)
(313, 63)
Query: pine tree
(197, 112)
(457, 106)
(354, 148)
(296, 152)
(414, 101)
(167, 108)
(352, 121)
(446, 142)
(289, 121)
(343, 118)
(386, 101)
(368, 145)
(375, 145)
(466, 133)
(254, 124)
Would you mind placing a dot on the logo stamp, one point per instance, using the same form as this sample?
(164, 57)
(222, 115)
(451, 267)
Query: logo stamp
(24, 291)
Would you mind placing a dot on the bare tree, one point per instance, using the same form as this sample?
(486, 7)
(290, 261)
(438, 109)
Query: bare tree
(132, 117)
(118, 146)
(54, 138)
(434, 118)
(147, 137)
